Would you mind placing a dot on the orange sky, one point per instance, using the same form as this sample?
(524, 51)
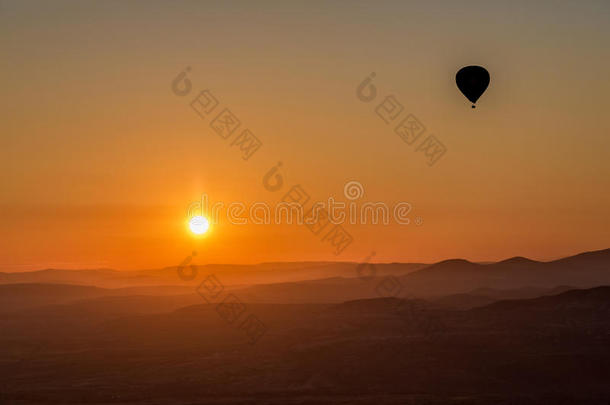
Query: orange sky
(100, 159)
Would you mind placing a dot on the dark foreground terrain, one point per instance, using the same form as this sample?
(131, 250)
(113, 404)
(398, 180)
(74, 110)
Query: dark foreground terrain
(553, 349)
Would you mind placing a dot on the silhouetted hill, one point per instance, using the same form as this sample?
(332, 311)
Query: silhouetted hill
(593, 257)
(462, 301)
(583, 311)
(484, 296)
(331, 290)
(597, 299)
(518, 260)
(386, 304)
(459, 276)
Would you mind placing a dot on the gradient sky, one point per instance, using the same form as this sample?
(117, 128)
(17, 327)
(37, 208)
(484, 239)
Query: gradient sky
(100, 160)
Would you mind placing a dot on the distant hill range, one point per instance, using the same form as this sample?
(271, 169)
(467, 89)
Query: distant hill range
(584, 270)
(458, 284)
(471, 284)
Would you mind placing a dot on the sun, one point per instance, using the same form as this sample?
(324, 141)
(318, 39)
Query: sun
(199, 225)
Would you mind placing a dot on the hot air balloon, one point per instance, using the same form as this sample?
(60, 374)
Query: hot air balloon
(472, 82)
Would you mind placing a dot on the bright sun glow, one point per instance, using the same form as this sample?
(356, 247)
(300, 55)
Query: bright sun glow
(199, 225)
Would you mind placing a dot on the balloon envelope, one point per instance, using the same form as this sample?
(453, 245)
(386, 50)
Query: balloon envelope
(472, 82)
